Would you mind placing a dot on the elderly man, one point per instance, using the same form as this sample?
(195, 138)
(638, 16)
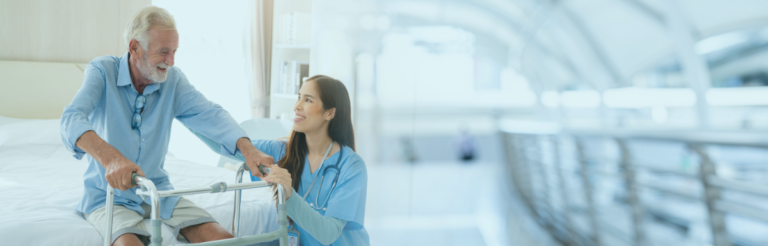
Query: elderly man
(121, 117)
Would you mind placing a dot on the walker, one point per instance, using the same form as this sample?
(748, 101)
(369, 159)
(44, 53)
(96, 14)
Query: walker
(148, 190)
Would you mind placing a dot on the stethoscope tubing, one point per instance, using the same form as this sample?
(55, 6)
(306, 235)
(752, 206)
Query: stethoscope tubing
(322, 174)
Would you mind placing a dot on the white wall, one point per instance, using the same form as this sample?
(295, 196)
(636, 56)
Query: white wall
(64, 31)
(214, 52)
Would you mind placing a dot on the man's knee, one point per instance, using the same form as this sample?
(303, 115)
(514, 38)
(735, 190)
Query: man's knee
(205, 232)
(128, 239)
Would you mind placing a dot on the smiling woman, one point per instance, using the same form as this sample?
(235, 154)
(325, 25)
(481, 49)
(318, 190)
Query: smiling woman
(321, 146)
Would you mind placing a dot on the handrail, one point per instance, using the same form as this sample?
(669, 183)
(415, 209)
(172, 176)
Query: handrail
(527, 163)
(747, 138)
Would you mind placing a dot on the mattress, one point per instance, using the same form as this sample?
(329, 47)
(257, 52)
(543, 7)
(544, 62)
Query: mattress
(41, 183)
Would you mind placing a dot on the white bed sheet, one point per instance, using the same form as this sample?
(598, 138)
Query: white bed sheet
(40, 185)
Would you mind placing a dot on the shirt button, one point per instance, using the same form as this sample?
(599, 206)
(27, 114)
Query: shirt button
(142, 140)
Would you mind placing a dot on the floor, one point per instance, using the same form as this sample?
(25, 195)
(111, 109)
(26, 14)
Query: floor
(446, 203)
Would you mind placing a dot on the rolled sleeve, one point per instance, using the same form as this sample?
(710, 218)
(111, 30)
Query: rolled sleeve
(74, 119)
(75, 132)
(207, 118)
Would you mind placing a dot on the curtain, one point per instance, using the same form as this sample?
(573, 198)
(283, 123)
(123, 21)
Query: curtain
(261, 56)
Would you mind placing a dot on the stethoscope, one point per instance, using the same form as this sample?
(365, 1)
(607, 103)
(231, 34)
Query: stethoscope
(316, 205)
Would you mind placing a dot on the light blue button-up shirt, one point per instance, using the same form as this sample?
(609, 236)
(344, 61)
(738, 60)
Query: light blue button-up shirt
(105, 104)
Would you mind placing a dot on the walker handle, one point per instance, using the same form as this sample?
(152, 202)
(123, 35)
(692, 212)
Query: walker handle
(262, 169)
(133, 178)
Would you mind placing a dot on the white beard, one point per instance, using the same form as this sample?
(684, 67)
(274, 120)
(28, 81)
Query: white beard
(150, 72)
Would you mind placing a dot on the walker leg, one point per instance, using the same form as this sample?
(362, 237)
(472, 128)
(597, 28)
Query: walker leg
(157, 237)
(283, 223)
(238, 196)
(110, 207)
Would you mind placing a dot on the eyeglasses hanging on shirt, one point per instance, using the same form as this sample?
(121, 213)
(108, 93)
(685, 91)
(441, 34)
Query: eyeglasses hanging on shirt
(139, 106)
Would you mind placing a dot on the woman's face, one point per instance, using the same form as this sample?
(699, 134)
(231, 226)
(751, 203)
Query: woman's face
(309, 113)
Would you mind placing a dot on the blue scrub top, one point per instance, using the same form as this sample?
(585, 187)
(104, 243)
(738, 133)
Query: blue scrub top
(346, 202)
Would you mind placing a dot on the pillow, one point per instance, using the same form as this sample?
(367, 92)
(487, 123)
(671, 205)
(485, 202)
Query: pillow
(28, 132)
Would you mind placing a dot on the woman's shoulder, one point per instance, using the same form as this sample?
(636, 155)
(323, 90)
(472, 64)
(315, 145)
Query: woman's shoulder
(353, 161)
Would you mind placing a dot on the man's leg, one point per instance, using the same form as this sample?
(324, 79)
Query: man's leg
(126, 227)
(210, 231)
(128, 240)
(195, 224)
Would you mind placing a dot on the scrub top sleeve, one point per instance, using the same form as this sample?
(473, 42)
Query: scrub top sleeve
(347, 201)
(273, 148)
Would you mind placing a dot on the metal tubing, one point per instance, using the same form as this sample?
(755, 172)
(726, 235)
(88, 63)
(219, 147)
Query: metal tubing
(632, 196)
(238, 193)
(711, 196)
(282, 214)
(264, 237)
(563, 190)
(156, 238)
(202, 190)
(545, 189)
(148, 189)
(110, 207)
(669, 191)
(591, 211)
(184, 192)
(664, 170)
(747, 211)
(754, 188)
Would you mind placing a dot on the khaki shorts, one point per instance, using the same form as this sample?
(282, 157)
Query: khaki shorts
(124, 220)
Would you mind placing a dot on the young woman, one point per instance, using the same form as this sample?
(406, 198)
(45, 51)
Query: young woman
(325, 179)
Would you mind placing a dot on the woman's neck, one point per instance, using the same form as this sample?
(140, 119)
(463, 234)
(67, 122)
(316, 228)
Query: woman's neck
(317, 142)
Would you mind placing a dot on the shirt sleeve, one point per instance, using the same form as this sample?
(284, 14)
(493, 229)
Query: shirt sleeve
(273, 148)
(206, 118)
(74, 119)
(347, 201)
(324, 229)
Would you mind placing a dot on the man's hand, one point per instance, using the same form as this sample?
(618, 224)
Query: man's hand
(118, 173)
(118, 168)
(253, 157)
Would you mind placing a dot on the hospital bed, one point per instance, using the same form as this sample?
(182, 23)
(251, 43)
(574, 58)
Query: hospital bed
(41, 183)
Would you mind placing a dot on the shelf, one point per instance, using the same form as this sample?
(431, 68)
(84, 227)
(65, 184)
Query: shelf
(293, 46)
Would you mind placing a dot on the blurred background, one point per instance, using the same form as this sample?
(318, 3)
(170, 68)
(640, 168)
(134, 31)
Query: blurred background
(488, 122)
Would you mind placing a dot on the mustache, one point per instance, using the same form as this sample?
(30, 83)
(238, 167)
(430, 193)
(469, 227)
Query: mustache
(163, 65)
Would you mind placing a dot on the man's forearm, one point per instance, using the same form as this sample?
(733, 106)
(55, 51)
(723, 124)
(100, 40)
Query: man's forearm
(99, 149)
(244, 144)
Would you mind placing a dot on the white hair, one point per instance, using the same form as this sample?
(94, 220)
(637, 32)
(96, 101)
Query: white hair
(144, 19)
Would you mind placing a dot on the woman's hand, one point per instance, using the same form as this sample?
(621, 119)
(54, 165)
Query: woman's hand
(280, 176)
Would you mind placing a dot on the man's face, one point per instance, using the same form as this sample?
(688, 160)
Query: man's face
(159, 55)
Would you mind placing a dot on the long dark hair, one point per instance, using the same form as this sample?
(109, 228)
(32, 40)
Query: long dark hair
(333, 94)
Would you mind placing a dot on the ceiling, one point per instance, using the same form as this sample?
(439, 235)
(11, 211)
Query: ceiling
(596, 44)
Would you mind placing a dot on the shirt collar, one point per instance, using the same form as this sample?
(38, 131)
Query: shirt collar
(124, 76)
(124, 72)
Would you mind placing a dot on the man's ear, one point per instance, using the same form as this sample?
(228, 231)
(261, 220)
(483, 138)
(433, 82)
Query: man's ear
(330, 114)
(133, 47)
